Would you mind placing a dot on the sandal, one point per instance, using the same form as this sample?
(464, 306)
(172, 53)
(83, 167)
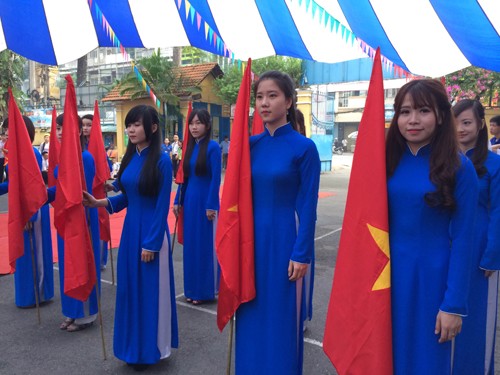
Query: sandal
(189, 300)
(197, 302)
(66, 323)
(73, 327)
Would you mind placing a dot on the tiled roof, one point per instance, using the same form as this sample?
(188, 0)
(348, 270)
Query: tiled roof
(192, 75)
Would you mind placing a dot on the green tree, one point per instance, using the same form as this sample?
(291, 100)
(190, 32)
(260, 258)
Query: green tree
(11, 75)
(473, 83)
(228, 86)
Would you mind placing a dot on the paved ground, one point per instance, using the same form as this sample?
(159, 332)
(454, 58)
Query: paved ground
(27, 348)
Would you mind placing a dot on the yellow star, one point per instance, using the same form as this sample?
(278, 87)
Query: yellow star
(233, 209)
(381, 237)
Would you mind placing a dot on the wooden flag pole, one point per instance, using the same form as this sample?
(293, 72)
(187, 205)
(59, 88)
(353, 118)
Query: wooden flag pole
(96, 286)
(111, 259)
(230, 349)
(35, 278)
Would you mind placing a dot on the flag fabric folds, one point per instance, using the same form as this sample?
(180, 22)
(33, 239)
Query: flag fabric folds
(54, 149)
(257, 123)
(235, 236)
(69, 213)
(27, 191)
(179, 178)
(358, 333)
(102, 172)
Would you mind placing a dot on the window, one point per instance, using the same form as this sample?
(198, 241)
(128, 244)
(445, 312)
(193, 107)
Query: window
(344, 98)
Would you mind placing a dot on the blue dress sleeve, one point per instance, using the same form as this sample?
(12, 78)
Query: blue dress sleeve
(153, 240)
(89, 169)
(491, 256)
(307, 202)
(462, 240)
(214, 160)
(117, 203)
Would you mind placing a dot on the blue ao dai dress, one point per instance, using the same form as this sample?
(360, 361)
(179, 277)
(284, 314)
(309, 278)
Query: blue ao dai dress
(145, 314)
(42, 246)
(285, 184)
(201, 193)
(475, 345)
(431, 253)
(82, 312)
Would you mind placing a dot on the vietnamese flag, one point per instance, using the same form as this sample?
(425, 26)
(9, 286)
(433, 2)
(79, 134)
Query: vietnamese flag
(179, 177)
(257, 123)
(102, 172)
(358, 333)
(27, 191)
(234, 236)
(54, 149)
(69, 213)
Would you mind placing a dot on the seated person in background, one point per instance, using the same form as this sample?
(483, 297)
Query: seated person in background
(495, 132)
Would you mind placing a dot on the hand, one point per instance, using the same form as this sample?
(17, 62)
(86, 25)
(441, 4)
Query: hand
(449, 325)
(28, 226)
(90, 201)
(147, 256)
(108, 187)
(488, 273)
(211, 214)
(175, 210)
(296, 270)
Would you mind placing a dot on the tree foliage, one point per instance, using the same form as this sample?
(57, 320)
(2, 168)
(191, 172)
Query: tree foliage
(11, 75)
(163, 77)
(227, 87)
(473, 83)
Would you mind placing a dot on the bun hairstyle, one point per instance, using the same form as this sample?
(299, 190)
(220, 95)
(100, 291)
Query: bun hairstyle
(286, 84)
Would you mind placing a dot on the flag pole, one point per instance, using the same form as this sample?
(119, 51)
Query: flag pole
(176, 221)
(230, 349)
(98, 294)
(111, 258)
(35, 278)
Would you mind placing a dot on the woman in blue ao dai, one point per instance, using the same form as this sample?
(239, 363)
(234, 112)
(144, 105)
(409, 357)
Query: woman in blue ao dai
(285, 183)
(78, 315)
(39, 226)
(145, 328)
(433, 193)
(199, 198)
(475, 346)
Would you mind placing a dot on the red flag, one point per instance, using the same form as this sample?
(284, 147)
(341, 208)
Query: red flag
(54, 149)
(257, 123)
(234, 237)
(69, 215)
(179, 178)
(358, 333)
(102, 172)
(27, 191)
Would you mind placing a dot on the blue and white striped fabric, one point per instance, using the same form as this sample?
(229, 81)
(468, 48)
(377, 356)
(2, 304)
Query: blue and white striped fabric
(425, 37)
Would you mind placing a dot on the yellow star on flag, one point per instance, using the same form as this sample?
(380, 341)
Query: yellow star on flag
(233, 208)
(381, 238)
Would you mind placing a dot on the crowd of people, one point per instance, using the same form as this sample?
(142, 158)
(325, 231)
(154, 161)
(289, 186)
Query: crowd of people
(444, 213)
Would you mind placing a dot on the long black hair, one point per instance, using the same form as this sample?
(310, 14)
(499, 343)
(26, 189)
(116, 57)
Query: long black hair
(149, 180)
(59, 121)
(200, 168)
(481, 149)
(285, 83)
(444, 159)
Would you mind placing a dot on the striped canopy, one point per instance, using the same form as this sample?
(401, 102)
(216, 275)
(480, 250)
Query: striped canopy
(423, 37)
